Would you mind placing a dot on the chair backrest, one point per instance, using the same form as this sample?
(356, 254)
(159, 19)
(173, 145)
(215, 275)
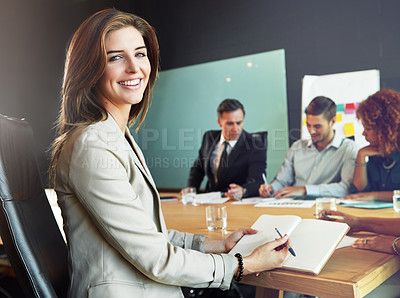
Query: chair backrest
(261, 136)
(32, 239)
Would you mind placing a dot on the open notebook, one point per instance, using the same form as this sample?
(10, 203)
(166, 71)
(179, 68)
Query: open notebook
(313, 240)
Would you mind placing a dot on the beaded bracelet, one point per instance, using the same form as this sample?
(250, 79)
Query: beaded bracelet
(239, 276)
(394, 245)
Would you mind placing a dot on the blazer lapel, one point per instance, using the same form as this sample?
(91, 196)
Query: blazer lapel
(215, 137)
(139, 160)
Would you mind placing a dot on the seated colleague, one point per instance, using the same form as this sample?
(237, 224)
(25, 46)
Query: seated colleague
(118, 243)
(240, 174)
(377, 168)
(387, 241)
(322, 166)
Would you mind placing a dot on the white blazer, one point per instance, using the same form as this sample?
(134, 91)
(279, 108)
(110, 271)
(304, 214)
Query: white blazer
(118, 242)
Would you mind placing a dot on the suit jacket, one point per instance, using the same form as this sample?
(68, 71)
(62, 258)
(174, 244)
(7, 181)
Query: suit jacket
(117, 240)
(246, 164)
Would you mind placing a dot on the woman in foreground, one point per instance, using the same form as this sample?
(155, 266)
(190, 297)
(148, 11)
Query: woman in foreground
(118, 242)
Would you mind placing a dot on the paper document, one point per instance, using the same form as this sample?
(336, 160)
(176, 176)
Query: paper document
(346, 241)
(255, 200)
(287, 203)
(209, 198)
(366, 204)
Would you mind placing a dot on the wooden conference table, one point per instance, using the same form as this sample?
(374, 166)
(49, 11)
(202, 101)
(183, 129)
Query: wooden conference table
(349, 272)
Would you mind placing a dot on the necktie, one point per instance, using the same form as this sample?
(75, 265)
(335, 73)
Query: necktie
(223, 161)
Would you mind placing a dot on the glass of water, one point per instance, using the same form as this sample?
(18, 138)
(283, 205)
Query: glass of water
(396, 200)
(188, 195)
(216, 218)
(324, 203)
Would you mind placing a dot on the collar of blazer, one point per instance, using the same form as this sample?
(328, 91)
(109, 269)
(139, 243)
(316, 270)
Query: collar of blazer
(138, 157)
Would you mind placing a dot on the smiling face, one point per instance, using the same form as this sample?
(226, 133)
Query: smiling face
(127, 72)
(231, 124)
(320, 129)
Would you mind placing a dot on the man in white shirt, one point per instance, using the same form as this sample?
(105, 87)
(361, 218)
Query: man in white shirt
(321, 166)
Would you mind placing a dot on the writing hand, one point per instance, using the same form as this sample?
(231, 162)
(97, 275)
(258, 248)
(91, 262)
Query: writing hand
(265, 190)
(352, 221)
(267, 256)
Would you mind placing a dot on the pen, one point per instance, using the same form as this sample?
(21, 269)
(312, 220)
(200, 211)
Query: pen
(266, 183)
(287, 245)
(332, 216)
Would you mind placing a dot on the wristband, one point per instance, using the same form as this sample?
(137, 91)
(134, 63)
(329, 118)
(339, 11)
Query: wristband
(360, 164)
(239, 276)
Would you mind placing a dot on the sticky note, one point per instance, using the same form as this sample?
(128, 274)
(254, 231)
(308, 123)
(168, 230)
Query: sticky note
(340, 108)
(348, 129)
(349, 108)
(339, 117)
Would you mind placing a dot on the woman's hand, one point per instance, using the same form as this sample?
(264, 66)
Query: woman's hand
(224, 246)
(267, 256)
(381, 243)
(354, 222)
(361, 196)
(234, 237)
(367, 151)
(371, 196)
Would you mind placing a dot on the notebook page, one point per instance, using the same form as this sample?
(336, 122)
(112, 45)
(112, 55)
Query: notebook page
(266, 225)
(314, 241)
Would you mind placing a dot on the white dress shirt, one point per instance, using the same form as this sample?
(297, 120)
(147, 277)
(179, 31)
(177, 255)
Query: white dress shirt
(323, 173)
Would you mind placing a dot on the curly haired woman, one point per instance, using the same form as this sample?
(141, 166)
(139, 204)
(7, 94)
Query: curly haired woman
(377, 167)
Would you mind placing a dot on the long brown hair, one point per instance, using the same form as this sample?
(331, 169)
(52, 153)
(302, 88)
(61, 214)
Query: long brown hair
(85, 63)
(381, 112)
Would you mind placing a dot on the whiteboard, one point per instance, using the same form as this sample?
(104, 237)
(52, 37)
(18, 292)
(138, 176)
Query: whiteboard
(184, 106)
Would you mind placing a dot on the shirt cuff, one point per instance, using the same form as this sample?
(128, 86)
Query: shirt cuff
(225, 266)
(312, 190)
(276, 186)
(198, 242)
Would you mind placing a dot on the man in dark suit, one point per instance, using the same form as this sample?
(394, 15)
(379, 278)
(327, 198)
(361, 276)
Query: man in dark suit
(231, 158)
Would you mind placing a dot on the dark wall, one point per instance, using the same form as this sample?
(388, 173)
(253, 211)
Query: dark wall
(34, 35)
(319, 36)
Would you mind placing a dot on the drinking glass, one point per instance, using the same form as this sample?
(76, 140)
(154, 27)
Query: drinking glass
(396, 200)
(188, 195)
(216, 218)
(324, 203)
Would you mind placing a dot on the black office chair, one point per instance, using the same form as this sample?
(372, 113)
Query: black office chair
(32, 239)
(262, 137)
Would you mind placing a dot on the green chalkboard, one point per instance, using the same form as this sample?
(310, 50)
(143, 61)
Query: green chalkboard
(184, 106)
